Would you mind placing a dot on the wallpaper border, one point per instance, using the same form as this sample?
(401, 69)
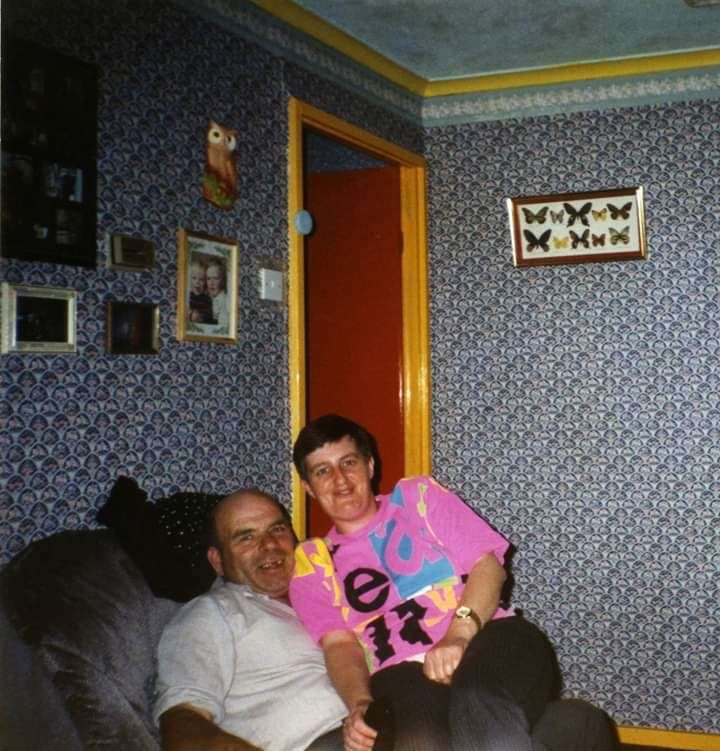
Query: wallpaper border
(566, 98)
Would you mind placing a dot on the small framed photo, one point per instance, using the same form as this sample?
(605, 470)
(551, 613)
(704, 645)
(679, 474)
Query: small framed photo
(132, 328)
(131, 253)
(207, 288)
(607, 225)
(38, 319)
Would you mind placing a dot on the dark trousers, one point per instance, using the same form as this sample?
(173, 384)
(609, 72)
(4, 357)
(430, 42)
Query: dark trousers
(565, 725)
(507, 679)
(331, 741)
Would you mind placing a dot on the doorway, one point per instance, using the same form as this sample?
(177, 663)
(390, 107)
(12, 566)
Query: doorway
(404, 429)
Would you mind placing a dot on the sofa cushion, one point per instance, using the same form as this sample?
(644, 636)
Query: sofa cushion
(84, 608)
(165, 539)
(182, 517)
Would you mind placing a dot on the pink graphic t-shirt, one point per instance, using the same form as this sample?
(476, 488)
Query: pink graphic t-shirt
(397, 582)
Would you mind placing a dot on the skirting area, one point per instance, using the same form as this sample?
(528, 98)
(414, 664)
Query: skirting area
(650, 739)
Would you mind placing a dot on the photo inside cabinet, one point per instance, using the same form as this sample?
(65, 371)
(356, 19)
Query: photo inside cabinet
(49, 152)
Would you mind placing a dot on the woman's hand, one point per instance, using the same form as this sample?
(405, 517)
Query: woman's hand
(482, 594)
(357, 734)
(348, 671)
(442, 660)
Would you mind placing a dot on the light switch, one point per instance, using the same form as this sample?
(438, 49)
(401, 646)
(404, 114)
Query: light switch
(271, 285)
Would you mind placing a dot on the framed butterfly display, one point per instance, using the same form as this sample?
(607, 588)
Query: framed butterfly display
(607, 225)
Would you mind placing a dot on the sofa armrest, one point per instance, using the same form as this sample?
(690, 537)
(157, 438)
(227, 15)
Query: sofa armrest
(79, 615)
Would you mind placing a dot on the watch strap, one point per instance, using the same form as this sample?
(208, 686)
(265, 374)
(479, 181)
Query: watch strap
(464, 612)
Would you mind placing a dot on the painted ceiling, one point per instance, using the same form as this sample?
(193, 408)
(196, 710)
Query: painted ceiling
(444, 39)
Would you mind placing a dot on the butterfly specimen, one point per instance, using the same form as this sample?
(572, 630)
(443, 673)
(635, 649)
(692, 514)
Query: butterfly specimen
(620, 237)
(579, 214)
(623, 212)
(533, 243)
(599, 216)
(538, 217)
(598, 239)
(558, 217)
(580, 239)
(561, 242)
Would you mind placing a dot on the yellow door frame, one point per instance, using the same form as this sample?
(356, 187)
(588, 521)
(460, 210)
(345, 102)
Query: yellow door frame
(416, 355)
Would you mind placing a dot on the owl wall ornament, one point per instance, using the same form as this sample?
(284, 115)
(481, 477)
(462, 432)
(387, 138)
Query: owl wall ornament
(219, 179)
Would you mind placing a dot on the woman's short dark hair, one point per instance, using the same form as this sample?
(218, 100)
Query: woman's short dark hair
(330, 429)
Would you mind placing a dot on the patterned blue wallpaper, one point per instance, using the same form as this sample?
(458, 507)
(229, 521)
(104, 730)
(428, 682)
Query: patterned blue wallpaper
(197, 416)
(578, 407)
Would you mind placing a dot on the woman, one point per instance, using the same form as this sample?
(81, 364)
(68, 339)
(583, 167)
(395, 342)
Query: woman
(403, 595)
(200, 303)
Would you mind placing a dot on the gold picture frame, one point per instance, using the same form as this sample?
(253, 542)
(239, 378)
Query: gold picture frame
(38, 319)
(207, 288)
(606, 225)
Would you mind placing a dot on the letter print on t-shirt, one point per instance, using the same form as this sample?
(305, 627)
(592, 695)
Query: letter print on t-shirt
(413, 561)
(397, 582)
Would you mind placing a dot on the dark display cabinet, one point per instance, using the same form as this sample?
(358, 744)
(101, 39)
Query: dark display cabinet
(49, 146)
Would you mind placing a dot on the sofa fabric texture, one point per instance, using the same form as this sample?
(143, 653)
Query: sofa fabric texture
(80, 628)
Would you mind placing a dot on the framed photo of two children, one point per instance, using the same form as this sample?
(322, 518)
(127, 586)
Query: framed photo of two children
(607, 225)
(207, 288)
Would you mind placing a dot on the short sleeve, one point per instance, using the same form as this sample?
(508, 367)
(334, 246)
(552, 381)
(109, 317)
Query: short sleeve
(315, 591)
(196, 660)
(466, 535)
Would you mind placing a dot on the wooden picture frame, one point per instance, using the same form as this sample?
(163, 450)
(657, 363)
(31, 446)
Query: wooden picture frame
(127, 253)
(132, 328)
(606, 225)
(49, 156)
(38, 319)
(207, 288)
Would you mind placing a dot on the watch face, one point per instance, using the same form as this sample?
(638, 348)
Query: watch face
(463, 612)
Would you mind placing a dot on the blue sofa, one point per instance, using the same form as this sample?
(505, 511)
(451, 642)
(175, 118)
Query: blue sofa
(79, 627)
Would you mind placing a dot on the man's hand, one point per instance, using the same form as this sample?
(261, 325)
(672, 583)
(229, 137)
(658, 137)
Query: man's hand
(188, 728)
(357, 734)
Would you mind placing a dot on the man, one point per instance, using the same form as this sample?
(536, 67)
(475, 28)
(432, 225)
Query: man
(236, 670)
(215, 281)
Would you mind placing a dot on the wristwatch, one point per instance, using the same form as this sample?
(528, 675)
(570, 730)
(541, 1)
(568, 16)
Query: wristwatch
(464, 612)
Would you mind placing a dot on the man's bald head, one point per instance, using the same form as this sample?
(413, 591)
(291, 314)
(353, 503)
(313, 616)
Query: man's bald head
(236, 496)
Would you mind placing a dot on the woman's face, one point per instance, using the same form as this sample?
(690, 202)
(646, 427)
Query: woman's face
(197, 279)
(339, 479)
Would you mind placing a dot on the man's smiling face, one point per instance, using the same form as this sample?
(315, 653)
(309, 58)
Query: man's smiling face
(255, 544)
